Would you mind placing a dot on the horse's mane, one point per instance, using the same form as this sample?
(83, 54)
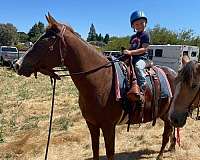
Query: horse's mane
(90, 47)
(186, 74)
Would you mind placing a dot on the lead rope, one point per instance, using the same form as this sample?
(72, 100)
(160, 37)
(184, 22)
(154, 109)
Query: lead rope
(197, 118)
(53, 84)
(178, 137)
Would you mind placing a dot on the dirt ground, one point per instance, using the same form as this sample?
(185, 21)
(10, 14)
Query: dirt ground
(24, 120)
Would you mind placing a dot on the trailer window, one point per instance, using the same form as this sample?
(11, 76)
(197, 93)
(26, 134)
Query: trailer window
(158, 52)
(193, 54)
(150, 54)
(185, 53)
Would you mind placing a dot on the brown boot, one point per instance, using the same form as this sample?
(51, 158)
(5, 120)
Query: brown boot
(134, 93)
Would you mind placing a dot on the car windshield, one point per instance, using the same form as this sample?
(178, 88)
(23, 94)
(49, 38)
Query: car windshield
(9, 49)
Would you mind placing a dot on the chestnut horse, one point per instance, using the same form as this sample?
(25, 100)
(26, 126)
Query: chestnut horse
(97, 99)
(187, 92)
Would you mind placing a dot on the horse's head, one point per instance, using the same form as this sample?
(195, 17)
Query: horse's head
(46, 53)
(187, 92)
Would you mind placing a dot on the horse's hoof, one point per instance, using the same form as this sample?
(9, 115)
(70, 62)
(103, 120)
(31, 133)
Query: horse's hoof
(171, 149)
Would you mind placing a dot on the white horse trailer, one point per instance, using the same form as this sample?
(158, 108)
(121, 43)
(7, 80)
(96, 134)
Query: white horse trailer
(171, 55)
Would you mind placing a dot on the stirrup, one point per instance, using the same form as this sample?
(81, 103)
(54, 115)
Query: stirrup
(141, 99)
(134, 93)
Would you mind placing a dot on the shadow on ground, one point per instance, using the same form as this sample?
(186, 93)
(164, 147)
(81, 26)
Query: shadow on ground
(136, 155)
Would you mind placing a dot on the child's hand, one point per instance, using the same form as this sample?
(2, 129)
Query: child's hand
(127, 52)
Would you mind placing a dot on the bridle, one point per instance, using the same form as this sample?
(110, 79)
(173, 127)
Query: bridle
(192, 106)
(60, 38)
(195, 102)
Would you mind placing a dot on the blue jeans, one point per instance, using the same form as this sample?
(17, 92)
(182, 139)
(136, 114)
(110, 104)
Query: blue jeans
(139, 69)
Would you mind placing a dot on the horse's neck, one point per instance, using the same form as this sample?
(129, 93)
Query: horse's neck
(81, 57)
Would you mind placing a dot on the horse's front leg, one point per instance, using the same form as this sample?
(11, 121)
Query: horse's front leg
(168, 129)
(109, 138)
(95, 133)
(172, 141)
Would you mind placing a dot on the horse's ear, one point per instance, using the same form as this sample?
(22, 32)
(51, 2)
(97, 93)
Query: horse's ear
(51, 20)
(47, 18)
(185, 59)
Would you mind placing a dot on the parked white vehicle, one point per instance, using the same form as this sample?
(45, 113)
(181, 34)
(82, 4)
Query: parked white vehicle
(171, 55)
(8, 54)
(112, 53)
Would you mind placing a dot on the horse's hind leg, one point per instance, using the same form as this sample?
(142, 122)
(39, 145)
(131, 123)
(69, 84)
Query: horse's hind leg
(168, 129)
(95, 133)
(109, 138)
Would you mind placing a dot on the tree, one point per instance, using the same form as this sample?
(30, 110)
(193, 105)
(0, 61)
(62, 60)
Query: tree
(195, 41)
(23, 37)
(100, 38)
(41, 27)
(185, 37)
(36, 31)
(106, 38)
(92, 35)
(161, 35)
(116, 43)
(8, 34)
(158, 35)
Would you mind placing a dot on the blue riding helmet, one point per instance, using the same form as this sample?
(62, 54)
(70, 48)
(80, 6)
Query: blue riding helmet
(136, 16)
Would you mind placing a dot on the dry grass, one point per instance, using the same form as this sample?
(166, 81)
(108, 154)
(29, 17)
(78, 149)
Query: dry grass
(24, 115)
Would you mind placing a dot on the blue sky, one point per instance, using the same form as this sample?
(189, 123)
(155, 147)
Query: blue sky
(108, 16)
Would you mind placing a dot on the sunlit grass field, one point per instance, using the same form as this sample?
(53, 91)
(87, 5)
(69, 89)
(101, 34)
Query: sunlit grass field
(25, 105)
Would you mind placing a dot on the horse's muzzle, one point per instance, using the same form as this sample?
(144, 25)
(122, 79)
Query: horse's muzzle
(178, 119)
(21, 70)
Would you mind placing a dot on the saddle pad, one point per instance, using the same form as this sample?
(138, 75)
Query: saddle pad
(164, 84)
(121, 82)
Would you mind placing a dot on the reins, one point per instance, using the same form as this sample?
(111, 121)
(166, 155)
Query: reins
(53, 84)
(61, 38)
(108, 64)
(53, 80)
(192, 106)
